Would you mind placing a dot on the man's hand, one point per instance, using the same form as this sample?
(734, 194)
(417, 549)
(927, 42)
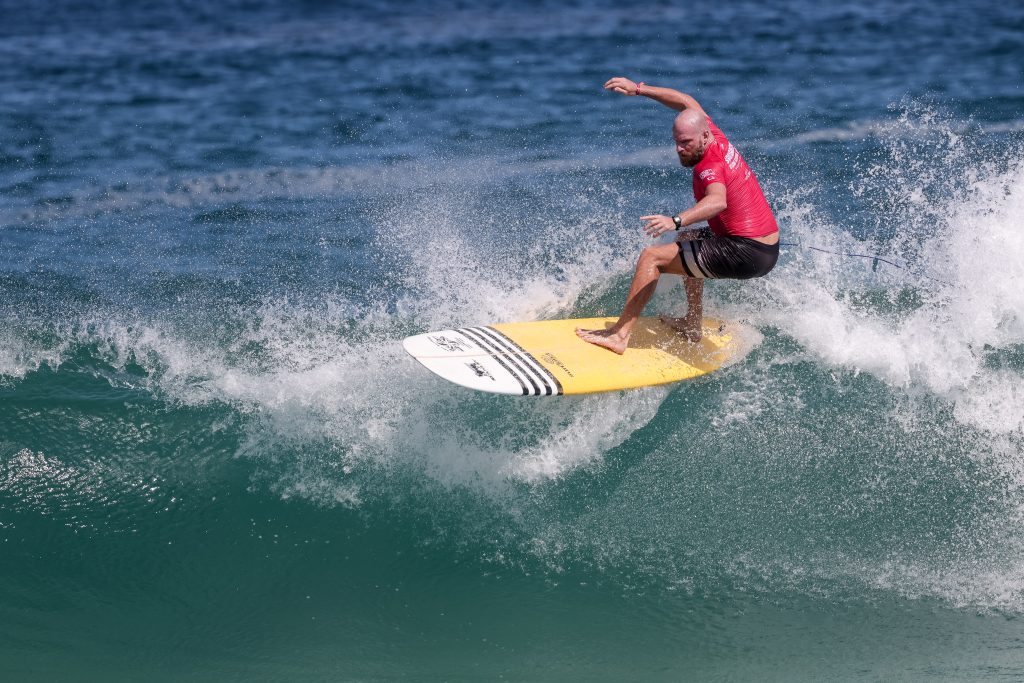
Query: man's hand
(658, 225)
(622, 85)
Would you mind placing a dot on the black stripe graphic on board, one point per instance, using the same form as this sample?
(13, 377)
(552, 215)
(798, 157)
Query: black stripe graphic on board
(507, 361)
(529, 361)
(497, 355)
(509, 355)
(526, 354)
(523, 357)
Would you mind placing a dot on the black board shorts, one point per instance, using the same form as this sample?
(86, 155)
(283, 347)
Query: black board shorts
(739, 258)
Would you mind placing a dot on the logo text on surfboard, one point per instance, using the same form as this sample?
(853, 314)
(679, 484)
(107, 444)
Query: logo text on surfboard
(553, 359)
(480, 370)
(449, 344)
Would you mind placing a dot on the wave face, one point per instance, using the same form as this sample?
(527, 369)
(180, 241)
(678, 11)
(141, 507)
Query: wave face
(217, 226)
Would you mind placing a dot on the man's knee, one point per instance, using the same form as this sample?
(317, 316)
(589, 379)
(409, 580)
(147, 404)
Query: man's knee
(658, 256)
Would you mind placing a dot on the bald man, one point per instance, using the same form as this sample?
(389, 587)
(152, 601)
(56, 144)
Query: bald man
(743, 240)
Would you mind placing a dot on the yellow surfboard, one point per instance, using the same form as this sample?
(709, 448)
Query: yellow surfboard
(546, 358)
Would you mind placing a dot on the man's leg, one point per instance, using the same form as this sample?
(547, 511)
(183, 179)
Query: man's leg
(653, 262)
(690, 325)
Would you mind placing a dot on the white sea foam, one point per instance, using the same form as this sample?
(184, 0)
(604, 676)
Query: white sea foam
(328, 380)
(955, 218)
(951, 213)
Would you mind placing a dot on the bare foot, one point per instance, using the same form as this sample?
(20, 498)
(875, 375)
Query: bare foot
(610, 340)
(685, 326)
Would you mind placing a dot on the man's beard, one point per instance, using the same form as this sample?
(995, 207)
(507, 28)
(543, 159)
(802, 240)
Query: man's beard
(691, 161)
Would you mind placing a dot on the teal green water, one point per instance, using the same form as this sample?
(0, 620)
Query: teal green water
(147, 542)
(217, 463)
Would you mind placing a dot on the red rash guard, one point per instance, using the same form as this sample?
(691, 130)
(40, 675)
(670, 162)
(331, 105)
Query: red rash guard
(748, 213)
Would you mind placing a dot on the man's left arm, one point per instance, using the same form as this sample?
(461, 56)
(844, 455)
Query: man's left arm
(711, 204)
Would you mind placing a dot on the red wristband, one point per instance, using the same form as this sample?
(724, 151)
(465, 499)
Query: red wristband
(638, 86)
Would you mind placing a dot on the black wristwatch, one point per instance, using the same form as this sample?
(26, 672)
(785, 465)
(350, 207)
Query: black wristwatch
(678, 221)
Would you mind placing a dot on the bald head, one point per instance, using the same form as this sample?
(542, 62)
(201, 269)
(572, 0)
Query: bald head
(692, 122)
(692, 135)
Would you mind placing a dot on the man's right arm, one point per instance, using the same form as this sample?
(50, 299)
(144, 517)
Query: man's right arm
(673, 99)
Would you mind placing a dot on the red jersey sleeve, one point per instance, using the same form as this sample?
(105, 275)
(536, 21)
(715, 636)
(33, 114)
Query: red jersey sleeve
(705, 173)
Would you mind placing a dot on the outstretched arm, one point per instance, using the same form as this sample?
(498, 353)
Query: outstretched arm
(673, 99)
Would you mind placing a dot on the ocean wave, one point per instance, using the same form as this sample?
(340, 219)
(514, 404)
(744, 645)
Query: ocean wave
(879, 420)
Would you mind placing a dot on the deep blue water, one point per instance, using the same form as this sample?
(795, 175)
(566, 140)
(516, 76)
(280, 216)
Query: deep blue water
(217, 223)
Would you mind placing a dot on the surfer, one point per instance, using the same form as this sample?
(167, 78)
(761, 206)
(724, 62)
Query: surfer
(742, 240)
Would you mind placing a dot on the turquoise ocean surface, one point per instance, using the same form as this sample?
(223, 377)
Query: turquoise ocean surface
(219, 220)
